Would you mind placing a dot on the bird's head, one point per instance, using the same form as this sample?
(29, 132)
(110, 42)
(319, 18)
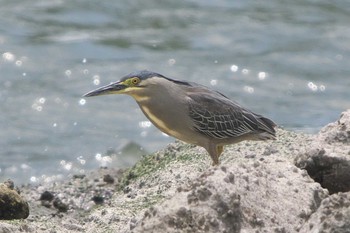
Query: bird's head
(134, 84)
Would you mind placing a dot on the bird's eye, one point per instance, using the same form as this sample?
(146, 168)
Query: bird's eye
(135, 80)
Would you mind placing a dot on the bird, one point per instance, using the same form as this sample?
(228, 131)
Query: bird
(191, 112)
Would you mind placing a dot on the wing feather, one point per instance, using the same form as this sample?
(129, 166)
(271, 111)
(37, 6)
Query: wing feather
(218, 117)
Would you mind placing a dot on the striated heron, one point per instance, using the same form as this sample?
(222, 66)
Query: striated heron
(191, 112)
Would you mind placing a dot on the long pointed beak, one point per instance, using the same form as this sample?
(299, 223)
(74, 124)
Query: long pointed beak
(113, 88)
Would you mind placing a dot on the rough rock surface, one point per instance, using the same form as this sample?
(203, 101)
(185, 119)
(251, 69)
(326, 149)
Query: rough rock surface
(12, 205)
(259, 187)
(238, 198)
(327, 160)
(332, 216)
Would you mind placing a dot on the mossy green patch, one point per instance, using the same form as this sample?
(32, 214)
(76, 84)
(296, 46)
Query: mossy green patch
(177, 152)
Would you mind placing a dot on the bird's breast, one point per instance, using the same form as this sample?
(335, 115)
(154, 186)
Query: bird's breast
(169, 115)
(159, 122)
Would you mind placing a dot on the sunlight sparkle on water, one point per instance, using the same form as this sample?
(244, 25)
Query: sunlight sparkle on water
(7, 56)
(96, 80)
(248, 89)
(68, 73)
(145, 124)
(213, 82)
(262, 75)
(42, 100)
(234, 68)
(103, 160)
(81, 160)
(66, 165)
(33, 179)
(171, 61)
(82, 102)
(25, 166)
(38, 104)
(314, 88)
(98, 156)
(245, 71)
(18, 63)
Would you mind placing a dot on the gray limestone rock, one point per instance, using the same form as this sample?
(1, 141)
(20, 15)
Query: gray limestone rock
(332, 216)
(270, 186)
(265, 196)
(327, 159)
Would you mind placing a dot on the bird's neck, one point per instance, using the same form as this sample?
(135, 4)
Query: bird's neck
(140, 99)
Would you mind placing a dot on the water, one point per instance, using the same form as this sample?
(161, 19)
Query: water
(286, 60)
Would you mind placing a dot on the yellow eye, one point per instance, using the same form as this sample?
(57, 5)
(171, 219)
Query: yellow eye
(135, 80)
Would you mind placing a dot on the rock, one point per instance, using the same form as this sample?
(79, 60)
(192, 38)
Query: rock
(46, 196)
(273, 197)
(337, 132)
(12, 205)
(257, 188)
(59, 205)
(327, 159)
(79, 176)
(108, 179)
(332, 216)
(7, 228)
(98, 199)
(10, 184)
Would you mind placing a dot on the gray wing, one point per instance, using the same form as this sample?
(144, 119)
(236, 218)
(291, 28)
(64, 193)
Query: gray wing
(219, 117)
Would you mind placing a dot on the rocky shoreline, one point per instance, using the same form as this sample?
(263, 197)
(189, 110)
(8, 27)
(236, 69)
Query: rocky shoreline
(298, 183)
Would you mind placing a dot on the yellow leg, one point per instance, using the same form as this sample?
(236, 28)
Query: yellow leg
(219, 149)
(215, 152)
